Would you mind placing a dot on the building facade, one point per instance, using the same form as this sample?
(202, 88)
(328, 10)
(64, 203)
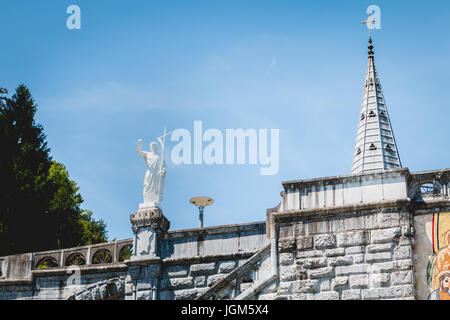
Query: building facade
(381, 232)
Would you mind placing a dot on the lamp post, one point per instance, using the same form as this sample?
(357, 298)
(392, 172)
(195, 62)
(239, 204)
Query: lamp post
(201, 203)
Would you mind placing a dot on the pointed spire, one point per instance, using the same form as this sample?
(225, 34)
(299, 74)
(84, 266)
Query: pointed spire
(375, 147)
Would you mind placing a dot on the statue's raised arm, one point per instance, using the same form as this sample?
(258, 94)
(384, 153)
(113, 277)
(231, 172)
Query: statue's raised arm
(139, 147)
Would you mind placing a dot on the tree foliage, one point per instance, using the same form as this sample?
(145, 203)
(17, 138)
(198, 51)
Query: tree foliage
(40, 207)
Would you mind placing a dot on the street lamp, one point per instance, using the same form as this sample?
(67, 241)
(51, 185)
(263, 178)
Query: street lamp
(201, 203)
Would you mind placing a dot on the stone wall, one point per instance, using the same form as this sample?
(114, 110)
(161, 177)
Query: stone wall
(352, 255)
(63, 284)
(188, 262)
(327, 239)
(187, 281)
(216, 240)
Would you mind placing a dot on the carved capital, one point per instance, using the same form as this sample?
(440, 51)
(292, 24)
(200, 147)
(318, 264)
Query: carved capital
(152, 218)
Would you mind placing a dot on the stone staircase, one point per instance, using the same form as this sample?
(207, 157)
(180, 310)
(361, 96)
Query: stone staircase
(245, 281)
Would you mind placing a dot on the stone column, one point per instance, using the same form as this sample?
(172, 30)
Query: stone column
(144, 266)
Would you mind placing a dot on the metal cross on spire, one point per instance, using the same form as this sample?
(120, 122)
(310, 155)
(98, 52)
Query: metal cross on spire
(369, 23)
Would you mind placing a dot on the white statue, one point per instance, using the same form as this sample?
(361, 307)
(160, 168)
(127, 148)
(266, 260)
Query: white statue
(155, 175)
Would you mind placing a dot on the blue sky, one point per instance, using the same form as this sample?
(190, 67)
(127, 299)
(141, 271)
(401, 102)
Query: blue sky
(299, 66)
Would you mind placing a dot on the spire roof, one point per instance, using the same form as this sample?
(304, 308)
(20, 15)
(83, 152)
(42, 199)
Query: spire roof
(375, 147)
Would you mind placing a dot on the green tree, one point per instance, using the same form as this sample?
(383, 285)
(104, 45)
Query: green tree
(71, 225)
(39, 204)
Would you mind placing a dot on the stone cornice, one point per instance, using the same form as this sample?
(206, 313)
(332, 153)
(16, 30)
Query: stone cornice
(344, 178)
(208, 258)
(16, 282)
(214, 230)
(112, 267)
(317, 212)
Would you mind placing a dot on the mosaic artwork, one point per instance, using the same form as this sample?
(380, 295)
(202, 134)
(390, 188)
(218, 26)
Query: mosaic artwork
(438, 270)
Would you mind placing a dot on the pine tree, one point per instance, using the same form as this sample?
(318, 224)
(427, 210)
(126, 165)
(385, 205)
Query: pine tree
(39, 204)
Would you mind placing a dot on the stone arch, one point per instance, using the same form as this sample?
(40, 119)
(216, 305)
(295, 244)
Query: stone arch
(46, 262)
(426, 188)
(125, 252)
(413, 191)
(76, 259)
(102, 256)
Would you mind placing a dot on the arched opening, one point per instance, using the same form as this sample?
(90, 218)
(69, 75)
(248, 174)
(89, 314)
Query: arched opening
(75, 259)
(46, 262)
(102, 256)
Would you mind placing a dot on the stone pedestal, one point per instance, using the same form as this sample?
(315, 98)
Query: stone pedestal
(144, 265)
(147, 223)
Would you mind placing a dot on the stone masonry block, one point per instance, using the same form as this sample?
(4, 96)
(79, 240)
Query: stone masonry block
(177, 283)
(337, 225)
(386, 235)
(339, 283)
(309, 254)
(288, 273)
(188, 294)
(285, 287)
(203, 269)
(404, 291)
(325, 285)
(359, 281)
(401, 253)
(378, 257)
(322, 241)
(358, 258)
(303, 286)
(299, 229)
(355, 250)
(320, 273)
(286, 231)
(374, 248)
(352, 269)
(287, 244)
(200, 281)
(144, 285)
(227, 266)
(383, 220)
(402, 277)
(354, 223)
(405, 241)
(144, 295)
(315, 227)
(353, 238)
(335, 252)
(384, 267)
(404, 264)
(287, 258)
(379, 280)
(328, 295)
(351, 295)
(340, 261)
(211, 280)
(304, 242)
(312, 263)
